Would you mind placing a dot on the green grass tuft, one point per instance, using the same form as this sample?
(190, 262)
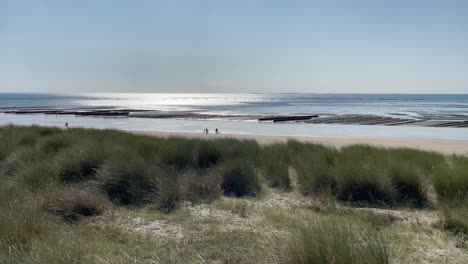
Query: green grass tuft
(451, 179)
(274, 163)
(332, 240)
(130, 181)
(239, 179)
(80, 162)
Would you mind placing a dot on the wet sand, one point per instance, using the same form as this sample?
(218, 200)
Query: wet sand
(442, 146)
(456, 122)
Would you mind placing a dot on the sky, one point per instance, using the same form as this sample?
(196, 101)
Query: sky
(332, 46)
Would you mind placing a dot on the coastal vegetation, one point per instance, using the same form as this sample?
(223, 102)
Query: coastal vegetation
(105, 196)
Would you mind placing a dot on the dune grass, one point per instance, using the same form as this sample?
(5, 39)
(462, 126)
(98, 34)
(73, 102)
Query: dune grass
(451, 179)
(130, 181)
(72, 204)
(52, 177)
(80, 162)
(274, 163)
(453, 214)
(366, 175)
(134, 170)
(239, 179)
(455, 218)
(333, 240)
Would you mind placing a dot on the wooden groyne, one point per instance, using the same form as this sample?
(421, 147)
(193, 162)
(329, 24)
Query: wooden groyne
(102, 113)
(68, 112)
(287, 118)
(453, 124)
(385, 121)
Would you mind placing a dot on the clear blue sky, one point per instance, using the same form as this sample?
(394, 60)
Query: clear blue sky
(372, 46)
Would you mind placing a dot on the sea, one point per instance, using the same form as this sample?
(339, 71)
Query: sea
(446, 107)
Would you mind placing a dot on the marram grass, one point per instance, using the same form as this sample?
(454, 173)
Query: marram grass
(53, 179)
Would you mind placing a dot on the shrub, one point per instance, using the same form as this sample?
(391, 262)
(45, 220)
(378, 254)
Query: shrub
(239, 179)
(130, 181)
(330, 240)
(72, 205)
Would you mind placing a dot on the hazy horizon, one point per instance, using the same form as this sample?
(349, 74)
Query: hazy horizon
(367, 47)
(221, 92)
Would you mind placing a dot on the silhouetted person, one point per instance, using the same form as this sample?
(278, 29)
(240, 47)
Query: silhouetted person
(66, 124)
(217, 131)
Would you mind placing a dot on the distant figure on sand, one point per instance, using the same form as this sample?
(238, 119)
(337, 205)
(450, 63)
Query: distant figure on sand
(217, 131)
(66, 124)
(207, 131)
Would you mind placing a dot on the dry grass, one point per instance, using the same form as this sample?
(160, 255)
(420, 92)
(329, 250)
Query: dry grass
(333, 240)
(72, 204)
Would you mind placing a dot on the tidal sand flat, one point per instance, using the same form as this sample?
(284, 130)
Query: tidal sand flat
(425, 110)
(105, 196)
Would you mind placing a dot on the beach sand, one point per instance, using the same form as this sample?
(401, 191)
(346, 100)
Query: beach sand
(442, 146)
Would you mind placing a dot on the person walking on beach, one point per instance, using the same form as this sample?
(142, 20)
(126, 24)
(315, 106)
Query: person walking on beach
(207, 131)
(66, 124)
(217, 131)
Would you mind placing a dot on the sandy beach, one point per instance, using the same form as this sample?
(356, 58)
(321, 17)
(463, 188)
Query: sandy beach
(442, 146)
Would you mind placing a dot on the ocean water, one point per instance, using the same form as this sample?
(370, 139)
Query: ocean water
(440, 107)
